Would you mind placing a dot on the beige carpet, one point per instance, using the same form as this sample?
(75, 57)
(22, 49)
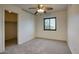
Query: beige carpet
(10, 42)
(39, 46)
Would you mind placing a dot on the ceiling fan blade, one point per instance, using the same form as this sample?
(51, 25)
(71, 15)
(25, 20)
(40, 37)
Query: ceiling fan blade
(33, 8)
(35, 13)
(49, 8)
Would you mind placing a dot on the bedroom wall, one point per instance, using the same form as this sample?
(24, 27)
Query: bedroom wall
(2, 44)
(73, 28)
(60, 33)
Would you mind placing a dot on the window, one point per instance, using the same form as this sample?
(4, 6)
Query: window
(50, 23)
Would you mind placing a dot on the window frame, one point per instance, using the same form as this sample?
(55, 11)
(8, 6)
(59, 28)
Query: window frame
(49, 24)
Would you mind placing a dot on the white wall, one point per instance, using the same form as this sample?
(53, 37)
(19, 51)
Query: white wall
(60, 34)
(2, 47)
(73, 28)
(25, 25)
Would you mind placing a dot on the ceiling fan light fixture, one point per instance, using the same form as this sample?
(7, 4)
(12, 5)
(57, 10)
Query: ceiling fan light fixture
(41, 5)
(40, 10)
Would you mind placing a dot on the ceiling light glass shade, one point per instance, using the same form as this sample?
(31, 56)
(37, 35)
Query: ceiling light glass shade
(9, 11)
(40, 10)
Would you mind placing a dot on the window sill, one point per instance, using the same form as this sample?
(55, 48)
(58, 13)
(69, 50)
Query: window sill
(49, 29)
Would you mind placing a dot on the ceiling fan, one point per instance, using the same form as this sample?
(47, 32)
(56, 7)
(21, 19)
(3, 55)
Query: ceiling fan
(41, 8)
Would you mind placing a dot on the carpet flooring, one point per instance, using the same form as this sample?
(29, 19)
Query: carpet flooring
(10, 42)
(39, 46)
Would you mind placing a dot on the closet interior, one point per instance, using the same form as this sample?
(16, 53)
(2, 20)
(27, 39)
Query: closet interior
(10, 28)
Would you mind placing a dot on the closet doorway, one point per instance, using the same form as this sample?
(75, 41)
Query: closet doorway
(10, 28)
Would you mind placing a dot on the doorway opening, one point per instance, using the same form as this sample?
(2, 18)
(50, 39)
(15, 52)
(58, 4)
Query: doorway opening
(10, 28)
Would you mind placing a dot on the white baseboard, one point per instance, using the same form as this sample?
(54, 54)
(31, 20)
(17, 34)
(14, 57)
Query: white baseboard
(50, 39)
